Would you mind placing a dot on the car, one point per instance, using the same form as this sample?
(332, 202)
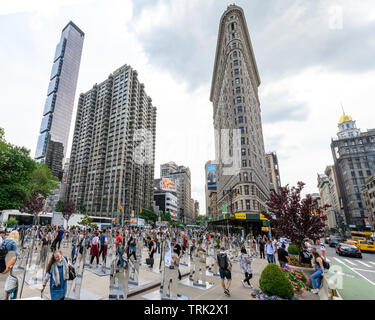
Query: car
(333, 241)
(326, 240)
(343, 249)
(366, 245)
(351, 241)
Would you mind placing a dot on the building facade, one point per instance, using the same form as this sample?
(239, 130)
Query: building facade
(326, 199)
(167, 202)
(58, 108)
(354, 161)
(113, 151)
(242, 182)
(196, 209)
(273, 172)
(182, 179)
(369, 197)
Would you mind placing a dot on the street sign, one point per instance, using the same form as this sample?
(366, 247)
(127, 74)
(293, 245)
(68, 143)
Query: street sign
(240, 216)
(224, 208)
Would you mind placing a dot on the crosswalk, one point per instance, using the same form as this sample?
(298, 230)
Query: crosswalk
(353, 263)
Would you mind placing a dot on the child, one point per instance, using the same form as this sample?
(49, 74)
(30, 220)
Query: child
(323, 250)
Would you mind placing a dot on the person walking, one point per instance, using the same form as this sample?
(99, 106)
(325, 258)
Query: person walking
(132, 246)
(57, 241)
(282, 256)
(178, 251)
(151, 250)
(103, 245)
(225, 268)
(270, 250)
(323, 249)
(245, 264)
(261, 249)
(57, 273)
(43, 250)
(316, 278)
(94, 251)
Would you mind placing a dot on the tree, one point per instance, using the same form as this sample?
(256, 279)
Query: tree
(33, 204)
(201, 219)
(12, 222)
(67, 209)
(165, 216)
(21, 176)
(294, 218)
(16, 167)
(82, 209)
(149, 215)
(42, 181)
(86, 220)
(58, 206)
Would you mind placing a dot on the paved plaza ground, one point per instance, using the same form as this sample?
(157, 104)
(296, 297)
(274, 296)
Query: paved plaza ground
(96, 287)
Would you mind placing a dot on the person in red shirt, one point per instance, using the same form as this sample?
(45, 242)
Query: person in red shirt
(119, 249)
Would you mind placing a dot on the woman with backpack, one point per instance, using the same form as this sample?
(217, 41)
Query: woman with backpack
(245, 264)
(58, 273)
(316, 278)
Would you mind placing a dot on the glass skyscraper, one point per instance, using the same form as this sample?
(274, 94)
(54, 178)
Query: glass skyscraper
(58, 109)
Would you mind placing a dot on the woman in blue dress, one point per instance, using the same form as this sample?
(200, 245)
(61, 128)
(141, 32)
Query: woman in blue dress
(58, 273)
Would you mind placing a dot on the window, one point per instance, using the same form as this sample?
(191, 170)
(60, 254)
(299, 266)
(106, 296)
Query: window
(353, 174)
(360, 173)
(239, 109)
(237, 80)
(236, 72)
(245, 176)
(242, 129)
(240, 119)
(234, 45)
(242, 140)
(235, 54)
(351, 166)
(356, 189)
(243, 150)
(235, 62)
(247, 190)
(247, 204)
(368, 172)
(238, 99)
(238, 90)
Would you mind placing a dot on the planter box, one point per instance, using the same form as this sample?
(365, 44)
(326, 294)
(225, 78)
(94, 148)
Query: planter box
(308, 271)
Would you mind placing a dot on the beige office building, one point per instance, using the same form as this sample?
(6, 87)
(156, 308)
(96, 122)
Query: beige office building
(242, 181)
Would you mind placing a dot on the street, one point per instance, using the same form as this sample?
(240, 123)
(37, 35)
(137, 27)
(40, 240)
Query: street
(355, 278)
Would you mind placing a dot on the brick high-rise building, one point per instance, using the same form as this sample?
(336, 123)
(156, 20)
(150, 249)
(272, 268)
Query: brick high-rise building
(242, 182)
(113, 152)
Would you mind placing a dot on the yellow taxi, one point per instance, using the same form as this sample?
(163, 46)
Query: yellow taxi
(352, 242)
(366, 245)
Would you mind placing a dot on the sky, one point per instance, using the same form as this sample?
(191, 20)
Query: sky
(312, 57)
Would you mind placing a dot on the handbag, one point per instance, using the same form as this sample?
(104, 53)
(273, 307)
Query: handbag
(72, 273)
(150, 261)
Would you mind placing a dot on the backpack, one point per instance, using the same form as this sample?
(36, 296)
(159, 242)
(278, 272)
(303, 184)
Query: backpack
(326, 265)
(3, 252)
(223, 261)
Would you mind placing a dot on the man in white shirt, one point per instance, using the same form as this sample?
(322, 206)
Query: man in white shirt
(270, 251)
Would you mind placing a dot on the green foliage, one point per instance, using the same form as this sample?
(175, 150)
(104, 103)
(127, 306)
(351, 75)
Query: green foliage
(201, 220)
(82, 209)
(293, 249)
(273, 281)
(86, 220)
(58, 206)
(166, 216)
(149, 215)
(42, 180)
(20, 176)
(12, 222)
(218, 243)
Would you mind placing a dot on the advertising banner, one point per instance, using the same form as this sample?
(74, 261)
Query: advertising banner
(167, 185)
(211, 176)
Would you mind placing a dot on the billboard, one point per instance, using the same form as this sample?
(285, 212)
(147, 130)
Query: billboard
(211, 176)
(167, 185)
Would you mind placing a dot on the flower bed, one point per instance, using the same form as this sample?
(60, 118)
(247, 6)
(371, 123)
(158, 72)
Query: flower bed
(294, 261)
(258, 294)
(298, 280)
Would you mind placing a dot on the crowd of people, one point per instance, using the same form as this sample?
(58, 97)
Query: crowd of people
(48, 240)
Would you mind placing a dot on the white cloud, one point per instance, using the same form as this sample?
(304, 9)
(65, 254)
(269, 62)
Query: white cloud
(114, 36)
